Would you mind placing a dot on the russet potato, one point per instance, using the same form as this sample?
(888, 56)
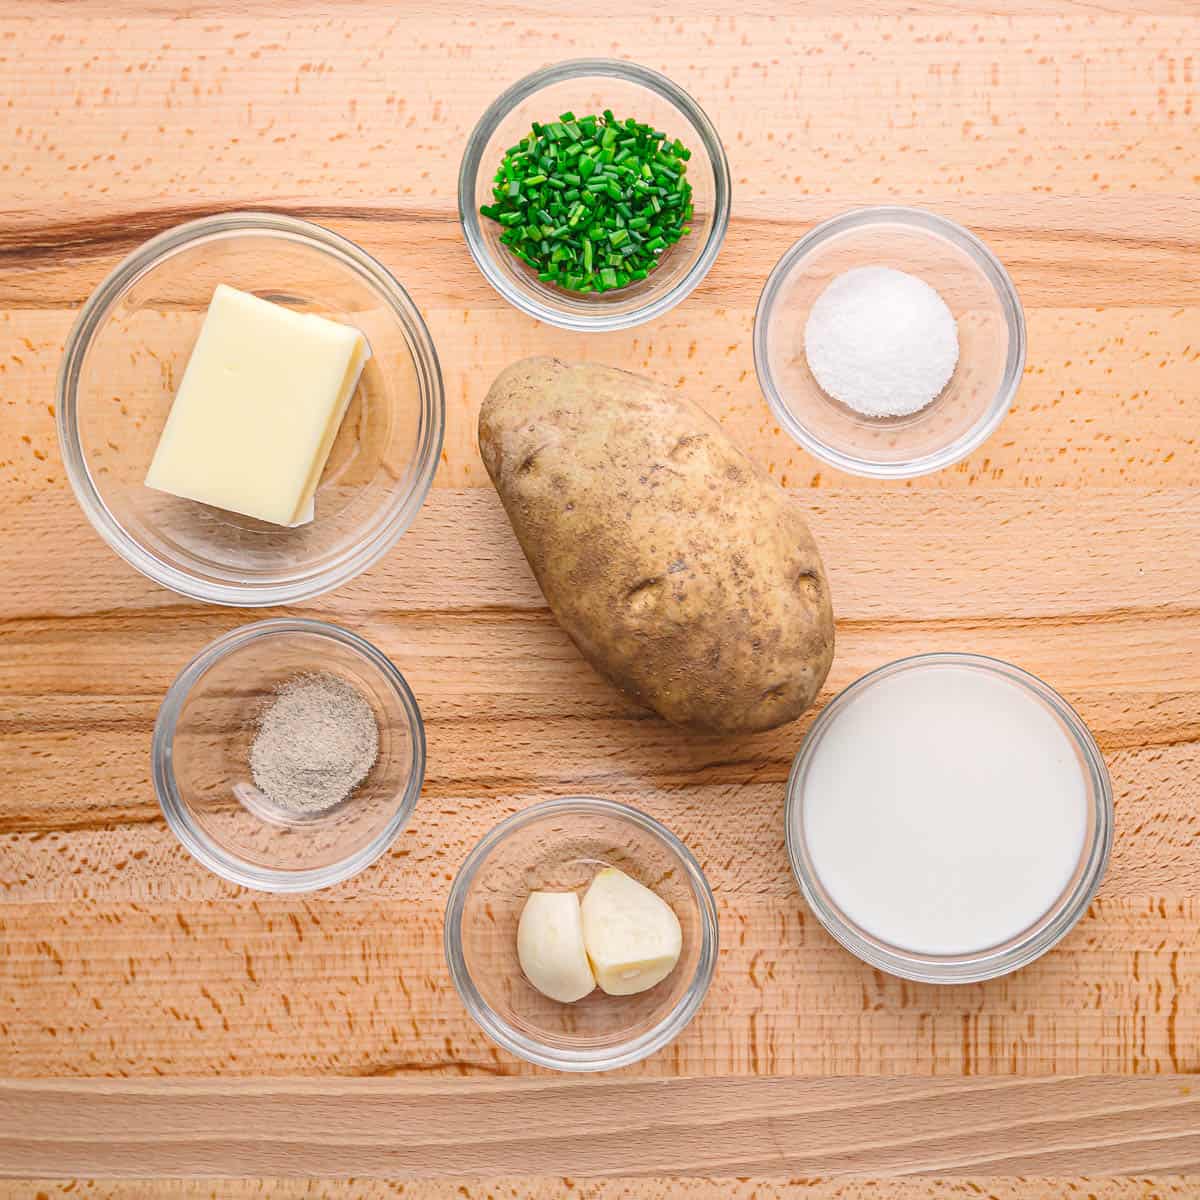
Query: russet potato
(678, 567)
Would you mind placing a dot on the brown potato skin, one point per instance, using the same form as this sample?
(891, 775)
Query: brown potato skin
(678, 567)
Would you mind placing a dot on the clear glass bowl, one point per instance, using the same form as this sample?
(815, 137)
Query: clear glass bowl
(991, 338)
(590, 85)
(560, 845)
(126, 356)
(1018, 951)
(201, 748)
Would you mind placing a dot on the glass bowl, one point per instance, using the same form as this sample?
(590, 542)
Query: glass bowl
(1030, 943)
(590, 85)
(560, 845)
(201, 749)
(125, 358)
(991, 342)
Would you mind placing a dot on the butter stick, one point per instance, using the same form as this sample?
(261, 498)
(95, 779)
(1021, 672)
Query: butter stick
(260, 404)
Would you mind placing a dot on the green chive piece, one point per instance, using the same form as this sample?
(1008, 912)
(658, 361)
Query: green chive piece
(590, 203)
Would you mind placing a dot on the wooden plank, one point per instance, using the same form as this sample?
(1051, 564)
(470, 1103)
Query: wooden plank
(1015, 554)
(340, 103)
(322, 986)
(1105, 402)
(789, 1127)
(1149, 244)
(1156, 1187)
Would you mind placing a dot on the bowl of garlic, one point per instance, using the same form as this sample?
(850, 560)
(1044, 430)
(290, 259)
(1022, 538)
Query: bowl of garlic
(581, 934)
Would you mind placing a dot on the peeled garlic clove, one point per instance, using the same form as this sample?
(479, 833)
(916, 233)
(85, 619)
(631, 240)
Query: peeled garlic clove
(550, 946)
(632, 936)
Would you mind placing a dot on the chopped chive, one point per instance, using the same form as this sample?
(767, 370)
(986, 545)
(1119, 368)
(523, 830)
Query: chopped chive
(590, 203)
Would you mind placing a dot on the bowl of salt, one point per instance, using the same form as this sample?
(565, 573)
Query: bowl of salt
(889, 342)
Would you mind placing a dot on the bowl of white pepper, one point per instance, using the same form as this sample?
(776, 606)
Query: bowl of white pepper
(288, 755)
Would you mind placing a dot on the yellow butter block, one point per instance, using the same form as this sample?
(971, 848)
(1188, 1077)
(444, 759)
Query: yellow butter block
(260, 404)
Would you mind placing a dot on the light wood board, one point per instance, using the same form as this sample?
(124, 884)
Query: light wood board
(1065, 134)
(570, 1188)
(797, 1128)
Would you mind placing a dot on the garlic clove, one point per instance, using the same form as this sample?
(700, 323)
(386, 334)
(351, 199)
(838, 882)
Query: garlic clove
(632, 935)
(550, 946)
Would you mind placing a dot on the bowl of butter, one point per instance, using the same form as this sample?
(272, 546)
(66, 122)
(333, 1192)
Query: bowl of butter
(250, 409)
(581, 934)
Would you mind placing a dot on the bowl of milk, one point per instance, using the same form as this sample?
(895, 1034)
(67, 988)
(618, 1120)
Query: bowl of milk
(949, 818)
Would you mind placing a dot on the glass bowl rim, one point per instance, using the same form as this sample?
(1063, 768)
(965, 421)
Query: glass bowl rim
(990, 962)
(136, 266)
(990, 267)
(517, 93)
(198, 843)
(667, 1029)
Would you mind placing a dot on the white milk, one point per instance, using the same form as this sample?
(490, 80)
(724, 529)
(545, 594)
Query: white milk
(945, 809)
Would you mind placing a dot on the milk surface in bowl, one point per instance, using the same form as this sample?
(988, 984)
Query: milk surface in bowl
(949, 817)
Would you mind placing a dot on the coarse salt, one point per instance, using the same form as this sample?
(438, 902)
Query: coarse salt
(881, 341)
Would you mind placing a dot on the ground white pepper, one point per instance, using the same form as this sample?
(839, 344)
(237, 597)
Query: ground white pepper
(316, 742)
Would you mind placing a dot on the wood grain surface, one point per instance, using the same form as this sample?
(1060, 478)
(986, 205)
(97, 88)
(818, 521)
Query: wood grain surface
(569, 1188)
(727, 1128)
(1064, 132)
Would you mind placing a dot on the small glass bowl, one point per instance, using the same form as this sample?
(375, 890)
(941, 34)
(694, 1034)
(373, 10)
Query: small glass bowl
(1028, 945)
(126, 356)
(560, 845)
(991, 342)
(590, 85)
(201, 748)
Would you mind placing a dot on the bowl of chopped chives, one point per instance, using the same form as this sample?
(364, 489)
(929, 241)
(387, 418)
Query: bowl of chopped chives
(594, 194)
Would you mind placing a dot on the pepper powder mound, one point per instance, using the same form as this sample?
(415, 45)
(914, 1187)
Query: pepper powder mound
(316, 742)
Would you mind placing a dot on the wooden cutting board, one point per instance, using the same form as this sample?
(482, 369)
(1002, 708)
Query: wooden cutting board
(156, 1023)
